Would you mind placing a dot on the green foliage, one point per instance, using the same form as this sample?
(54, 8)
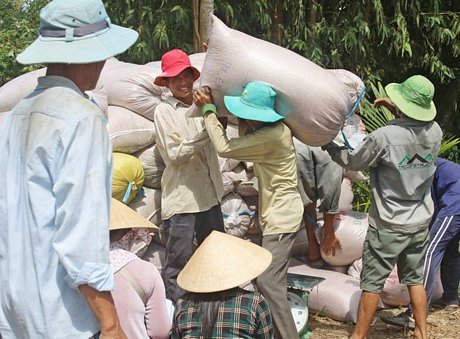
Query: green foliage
(162, 25)
(18, 28)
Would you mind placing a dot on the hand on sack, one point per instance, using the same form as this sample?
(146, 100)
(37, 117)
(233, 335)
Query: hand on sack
(330, 244)
(202, 96)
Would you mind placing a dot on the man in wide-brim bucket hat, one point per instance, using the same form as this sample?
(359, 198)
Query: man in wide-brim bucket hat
(401, 159)
(267, 142)
(217, 305)
(413, 97)
(76, 32)
(56, 161)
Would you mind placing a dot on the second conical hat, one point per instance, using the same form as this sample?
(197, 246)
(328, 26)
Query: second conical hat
(223, 262)
(122, 216)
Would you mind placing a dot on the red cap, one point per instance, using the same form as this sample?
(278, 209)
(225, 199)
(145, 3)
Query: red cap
(172, 64)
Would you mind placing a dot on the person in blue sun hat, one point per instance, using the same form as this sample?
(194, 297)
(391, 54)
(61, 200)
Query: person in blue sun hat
(56, 165)
(267, 142)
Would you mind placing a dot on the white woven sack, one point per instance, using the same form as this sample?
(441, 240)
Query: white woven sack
(337, 297)
(148, 206)
(129, 132)
(131, 86)
(237, 216)
(346, 196)
(18, 88)
(350, 229)
(314, 101)
(396, 294)
(153, 166)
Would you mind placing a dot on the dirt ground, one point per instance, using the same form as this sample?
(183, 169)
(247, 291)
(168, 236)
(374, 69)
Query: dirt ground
(441, 325)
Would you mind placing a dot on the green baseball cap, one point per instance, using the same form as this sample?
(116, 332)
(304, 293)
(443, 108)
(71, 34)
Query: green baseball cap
(257, 102)
(414, 97)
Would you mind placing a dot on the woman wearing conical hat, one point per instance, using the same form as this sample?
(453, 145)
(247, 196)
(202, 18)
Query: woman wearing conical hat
(215, 305)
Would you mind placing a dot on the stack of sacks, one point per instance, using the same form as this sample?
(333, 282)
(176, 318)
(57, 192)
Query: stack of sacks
(336, 297)
(18, 88)
(345, 205)
(153, 166)
(394, 293)
(315, 101)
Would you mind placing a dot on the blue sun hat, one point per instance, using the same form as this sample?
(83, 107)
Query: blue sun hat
(76, 32)
(257, 102)
(414, 97)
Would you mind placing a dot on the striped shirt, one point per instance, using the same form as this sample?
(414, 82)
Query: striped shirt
(241, 314)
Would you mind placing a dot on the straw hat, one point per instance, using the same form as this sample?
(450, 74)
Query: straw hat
(76, 32)
(122, 216)
(223, 262)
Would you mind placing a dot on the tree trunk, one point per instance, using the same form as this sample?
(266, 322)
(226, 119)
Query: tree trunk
(201, 11)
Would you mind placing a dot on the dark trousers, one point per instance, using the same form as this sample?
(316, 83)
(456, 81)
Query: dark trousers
(450, 271)
(182, 230)
(442, 232)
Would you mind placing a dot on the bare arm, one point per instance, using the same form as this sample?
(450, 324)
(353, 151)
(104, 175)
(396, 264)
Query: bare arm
(102, 305)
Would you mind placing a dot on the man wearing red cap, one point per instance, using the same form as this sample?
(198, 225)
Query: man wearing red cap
(191, 185)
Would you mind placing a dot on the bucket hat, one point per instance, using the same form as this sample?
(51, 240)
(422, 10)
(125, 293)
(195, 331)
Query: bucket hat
(122, 216)
(414, 97)
(172, 64)
(76, 32)
(223, 262)
(257, 102)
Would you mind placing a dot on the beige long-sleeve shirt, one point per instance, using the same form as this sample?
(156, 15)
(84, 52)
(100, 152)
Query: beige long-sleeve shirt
(272, 152)
(191, 181)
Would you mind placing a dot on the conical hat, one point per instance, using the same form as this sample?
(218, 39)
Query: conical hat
(222, 262)
(122, 216)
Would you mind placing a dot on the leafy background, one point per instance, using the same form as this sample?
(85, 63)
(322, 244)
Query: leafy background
(382, 41)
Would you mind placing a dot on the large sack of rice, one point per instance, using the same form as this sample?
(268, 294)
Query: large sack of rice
(237, 215)
(314, 101)
(128, 177)
(18, 88)
(131, 86)
(350, 229)
(154, 166)
(336, 297)
(396, 294)
(148, 205)
(129, 132)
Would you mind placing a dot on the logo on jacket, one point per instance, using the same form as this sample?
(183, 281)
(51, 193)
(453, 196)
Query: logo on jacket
(416, 161)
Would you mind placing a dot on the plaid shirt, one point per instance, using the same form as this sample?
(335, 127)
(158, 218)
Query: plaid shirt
(243, 314)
